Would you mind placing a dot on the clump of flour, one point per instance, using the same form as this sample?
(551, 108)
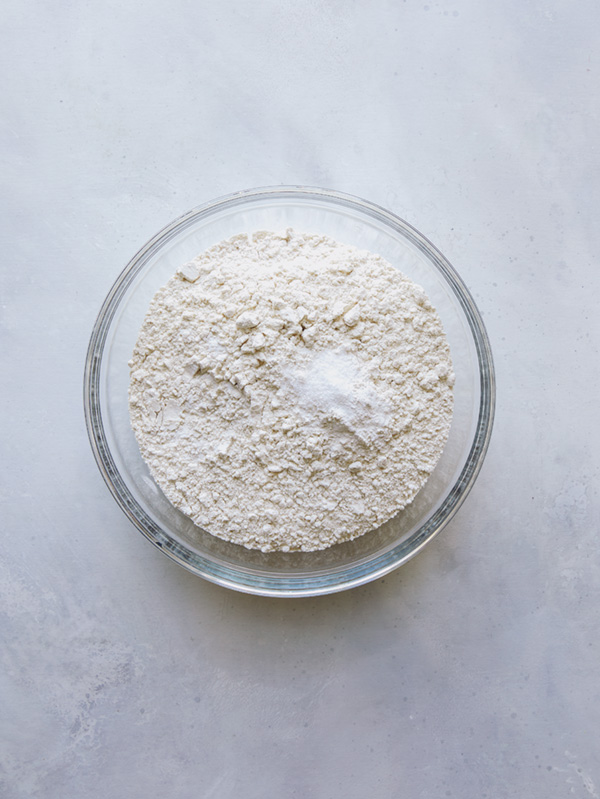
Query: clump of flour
(289, 392)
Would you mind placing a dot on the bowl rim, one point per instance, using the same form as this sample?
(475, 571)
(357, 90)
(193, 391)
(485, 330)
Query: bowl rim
(302, 585)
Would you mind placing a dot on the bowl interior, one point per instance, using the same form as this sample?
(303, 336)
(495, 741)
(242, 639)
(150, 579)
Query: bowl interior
(338, 567)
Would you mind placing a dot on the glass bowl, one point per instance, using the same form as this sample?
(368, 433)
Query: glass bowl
(349, 220)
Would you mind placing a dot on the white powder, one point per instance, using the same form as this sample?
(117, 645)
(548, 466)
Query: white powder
(289, 392)
(335, 387)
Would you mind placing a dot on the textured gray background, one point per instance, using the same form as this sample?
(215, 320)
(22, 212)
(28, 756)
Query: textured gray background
(472, 671)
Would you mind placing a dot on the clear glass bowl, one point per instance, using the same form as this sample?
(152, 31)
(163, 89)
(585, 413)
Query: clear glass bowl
(346, 219)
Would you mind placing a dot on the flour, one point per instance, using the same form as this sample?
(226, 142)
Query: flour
(289, 392)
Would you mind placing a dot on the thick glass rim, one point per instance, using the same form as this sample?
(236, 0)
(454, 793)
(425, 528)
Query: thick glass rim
(301, 584)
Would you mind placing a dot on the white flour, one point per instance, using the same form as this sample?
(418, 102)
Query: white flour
(289, 392)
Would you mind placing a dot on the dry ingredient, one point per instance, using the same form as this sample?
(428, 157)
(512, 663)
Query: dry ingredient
(289, 392)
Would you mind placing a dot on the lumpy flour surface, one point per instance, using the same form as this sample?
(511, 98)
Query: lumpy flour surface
(289, 392)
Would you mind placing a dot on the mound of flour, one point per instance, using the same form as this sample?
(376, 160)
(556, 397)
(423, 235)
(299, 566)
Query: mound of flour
(289, 392)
